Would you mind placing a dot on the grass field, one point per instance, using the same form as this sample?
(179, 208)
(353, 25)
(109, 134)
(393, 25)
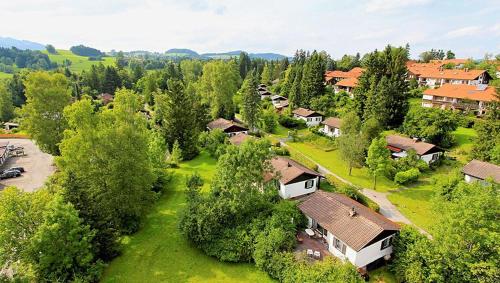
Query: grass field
(5, 75)
(78, 63)
(332, 161)
(159, 253)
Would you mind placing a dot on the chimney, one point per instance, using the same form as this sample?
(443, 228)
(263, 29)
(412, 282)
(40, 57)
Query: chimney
(441, 68)
(352, 212)
(466, 69)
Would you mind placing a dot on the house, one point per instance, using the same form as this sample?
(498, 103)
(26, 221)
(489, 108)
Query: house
(347, 85)
(333, 77)
(351, 230)
(312, 118)
(281, 105)
(239, 138)
(294, 179)
(9, 126)
(264, 94)
(106, 98)
(399, 147)
(438, 77)
(229, 127)
(460, 97)
(331, 127)
(277, 99)
(480, 171)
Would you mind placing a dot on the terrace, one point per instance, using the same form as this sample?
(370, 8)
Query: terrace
(314, 243)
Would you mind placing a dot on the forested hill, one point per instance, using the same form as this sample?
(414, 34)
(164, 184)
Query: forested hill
(188, 53)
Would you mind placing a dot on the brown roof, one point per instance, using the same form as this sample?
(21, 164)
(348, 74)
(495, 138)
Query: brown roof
(288, 169)
(106, 98)
(222, 124)
(452, 74)
(281, 104)
(348, 82)
(482, 170)
(331, 211)
(305, 112)
(239, 138)
(333, 122)
(405, 143)
(463, 91)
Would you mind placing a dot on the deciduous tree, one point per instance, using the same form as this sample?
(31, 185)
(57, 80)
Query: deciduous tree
(378, 159)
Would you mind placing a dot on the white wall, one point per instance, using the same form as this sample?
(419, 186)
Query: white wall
(428, 157)
(235, 133)
(371, 253)
(331, 131)
(297, 189)
(311, 121)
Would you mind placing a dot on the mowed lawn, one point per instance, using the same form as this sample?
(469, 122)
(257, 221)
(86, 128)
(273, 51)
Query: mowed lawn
(333, 162)
(5, 75)
(78, 63)
(159, 253)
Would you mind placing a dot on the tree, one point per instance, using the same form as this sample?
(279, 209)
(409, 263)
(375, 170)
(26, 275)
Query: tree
(20, 216)
(105, 169)
(488, 136)
(268, 120)
(433, 125)
(312, 82)
(6, 106)
(217, 86)
(383, 90)
(266, 76)
(61, 248)
(378, 158)
(350, 143)
(450, 55)
(244, 64)
(51, 49)
(214, 142)
(175, 157)
(251, 101)
(176, 114)
(45, 121)
(191, 70)
(17, 89)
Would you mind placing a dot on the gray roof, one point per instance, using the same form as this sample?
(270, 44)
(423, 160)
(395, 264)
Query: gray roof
(482, 170)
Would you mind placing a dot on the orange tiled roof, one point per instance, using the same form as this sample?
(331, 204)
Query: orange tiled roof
(354, 73)
(348, 82)
(463, 91)
(451, 74)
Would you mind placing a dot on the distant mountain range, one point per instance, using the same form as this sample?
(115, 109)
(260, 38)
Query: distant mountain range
(8, 42)
(188, 53)
(177, 53)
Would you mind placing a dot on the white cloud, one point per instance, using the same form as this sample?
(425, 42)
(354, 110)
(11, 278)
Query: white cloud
(463, 32)
(372, 6)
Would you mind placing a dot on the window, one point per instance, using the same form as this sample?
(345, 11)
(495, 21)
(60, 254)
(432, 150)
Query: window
(386, 243)
(309, 184)
(308, 119)
(339, 245)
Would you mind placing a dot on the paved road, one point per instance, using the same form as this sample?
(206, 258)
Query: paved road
(38, 165)
(387, 209)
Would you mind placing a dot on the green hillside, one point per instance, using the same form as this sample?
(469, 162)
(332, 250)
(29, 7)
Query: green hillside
(5, 75)
(78, 63)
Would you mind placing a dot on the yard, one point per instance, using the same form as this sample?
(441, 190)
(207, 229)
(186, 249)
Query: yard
(159, 253)
(78, 63)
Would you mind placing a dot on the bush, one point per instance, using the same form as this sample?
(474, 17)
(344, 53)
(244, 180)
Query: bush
(282, 151)
(352, 192)
(407, 176)
(290, 122)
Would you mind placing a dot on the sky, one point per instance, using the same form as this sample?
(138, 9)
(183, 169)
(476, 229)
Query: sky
(469, 28)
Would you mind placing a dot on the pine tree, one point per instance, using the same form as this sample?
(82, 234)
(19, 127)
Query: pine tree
(266, 76)
(251, 101)
(312, 83)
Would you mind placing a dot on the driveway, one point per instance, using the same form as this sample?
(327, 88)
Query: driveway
(38, 165)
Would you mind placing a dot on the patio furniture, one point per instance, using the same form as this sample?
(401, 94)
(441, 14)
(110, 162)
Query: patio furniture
(309, 252)
(309, 232)
(317, 254)
(299, 239)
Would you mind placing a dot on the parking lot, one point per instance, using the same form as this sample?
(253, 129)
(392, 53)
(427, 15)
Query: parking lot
(38, 166)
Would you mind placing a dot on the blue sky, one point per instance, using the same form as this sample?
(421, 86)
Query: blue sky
(469, 28)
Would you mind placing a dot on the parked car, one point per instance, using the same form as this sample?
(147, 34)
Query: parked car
(10, 174)
(20, 169)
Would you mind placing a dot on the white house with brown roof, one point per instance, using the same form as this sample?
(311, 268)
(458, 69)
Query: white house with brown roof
(460, 97)
(312, 118)
(477, 170)
(229, 127)
(331, 127)
(294, 179)
(351, 230)
(399, 147)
